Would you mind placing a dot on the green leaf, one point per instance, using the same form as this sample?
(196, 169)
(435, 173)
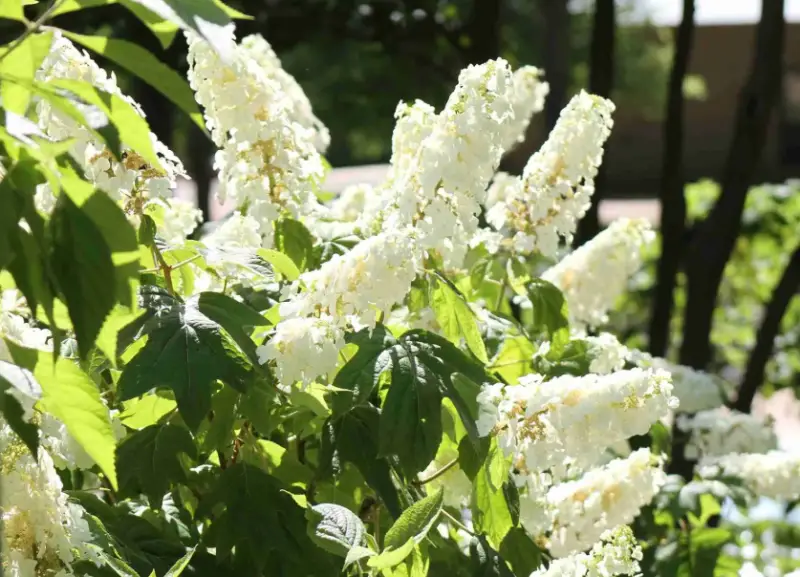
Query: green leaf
(12, 376)
(143, 64)
(235, 317)
(145, 411)
(353, 438)
(486, 562)
(12, 9)
(294, 240)
(391, 556)
(571, 359)
(415, 565)
(70, 395)
(26, 60)
(416, 521)
(257, 517)
(181, 564)
(356, 554)
(422, 366)
(513, 360)
(456, 318)
(549, 310)
(335, 528)
(358, 377)
(185, 351)
(491, 513)
(148, 461)
(520, 552)
(82, 265)
(280, 262)
(131, 126)
(203, 17)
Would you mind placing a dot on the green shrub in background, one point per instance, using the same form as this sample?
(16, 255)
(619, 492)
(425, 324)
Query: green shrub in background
(770, 232)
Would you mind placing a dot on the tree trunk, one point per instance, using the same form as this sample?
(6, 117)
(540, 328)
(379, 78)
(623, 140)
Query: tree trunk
(673, 202)
(601, 81)
(787, 288)
(484, 31)
(716, 237)
(200, 168)
(556, 57)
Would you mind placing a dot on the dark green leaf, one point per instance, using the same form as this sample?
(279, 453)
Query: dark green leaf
(520, 552)
(486, 562)
(416, 521)
(148, 461)
(185, 351)
(235, 317)
(181, 564)
(361, 373)
(571, 359)
(147, 67)
(353, 438)
(258, 517)
(82, 265)
(335, 528)
(549, 310)
(293, 239)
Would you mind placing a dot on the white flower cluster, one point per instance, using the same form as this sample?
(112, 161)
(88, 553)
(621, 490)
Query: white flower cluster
(267, 162)
(607, 353)
(718, 432)
(528, 96)
(348, 290)
(775, 475)
(442, 163)
(595, 275)
(299, 107)
(132, 180)
(43, 533)
(557, 184)
(567, 422)
(441, 166)
(696, 390)
(617, 553)
(602, 499)
(303, 348)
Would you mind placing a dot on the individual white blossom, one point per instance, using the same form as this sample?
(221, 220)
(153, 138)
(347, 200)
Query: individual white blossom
(131, 180)
(528, 96)
(717, 432)
(267, 162)
(303, 349)
(557, 183)
(596, 274)
(371, 278)
(617, 553)
(696, 390)
(602, 499)
(607, 353)
(65, 451)
(775, 475)
(16, 328)
(503, 187)
(299, 108)
(567, 422)
(43, 533)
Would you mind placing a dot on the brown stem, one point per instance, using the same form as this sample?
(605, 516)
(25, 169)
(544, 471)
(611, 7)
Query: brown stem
(786, 289)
